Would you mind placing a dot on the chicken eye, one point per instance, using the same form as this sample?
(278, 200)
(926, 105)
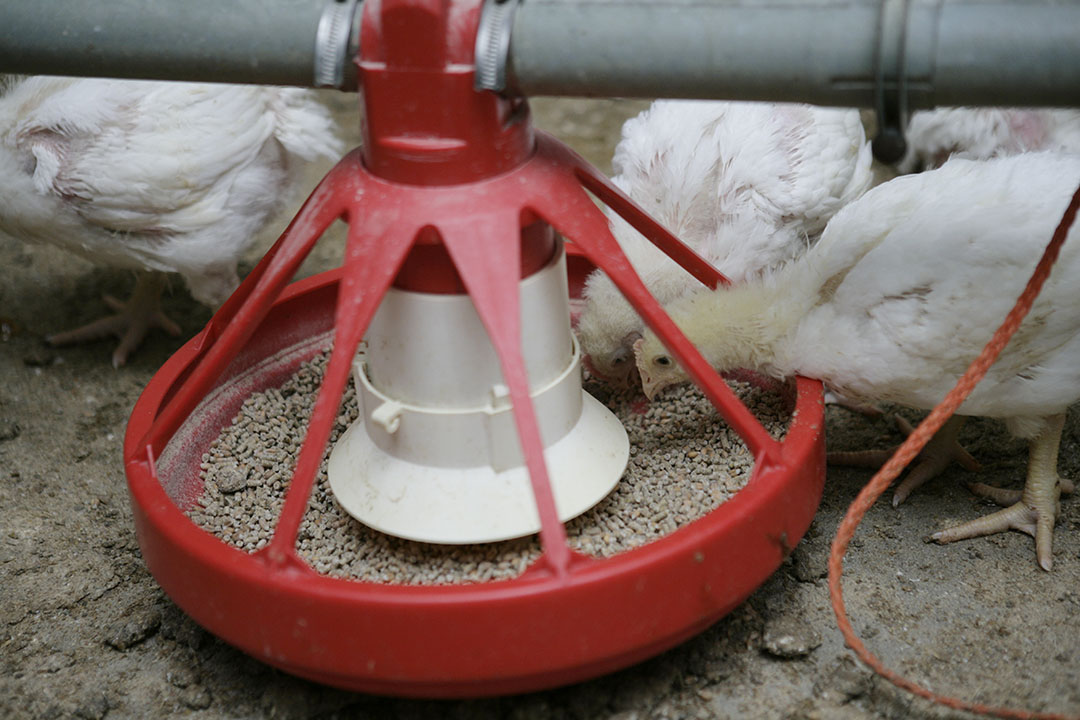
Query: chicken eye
(618, 361)
(663, 360)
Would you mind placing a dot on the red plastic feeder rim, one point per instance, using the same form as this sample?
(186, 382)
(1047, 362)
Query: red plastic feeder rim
(455, 181)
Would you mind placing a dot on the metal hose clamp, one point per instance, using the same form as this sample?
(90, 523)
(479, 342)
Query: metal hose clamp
(332, 42)
(493, 44)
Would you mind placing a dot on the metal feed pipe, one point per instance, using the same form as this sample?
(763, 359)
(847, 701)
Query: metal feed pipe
(828, 52)
(309, 43)
(891, 54)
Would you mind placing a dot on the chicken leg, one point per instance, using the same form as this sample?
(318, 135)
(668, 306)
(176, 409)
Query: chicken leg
(942, 450)
(130, 323)
(1037, 508)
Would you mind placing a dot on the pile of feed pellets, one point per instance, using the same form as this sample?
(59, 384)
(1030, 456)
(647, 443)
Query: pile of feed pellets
(684, 462)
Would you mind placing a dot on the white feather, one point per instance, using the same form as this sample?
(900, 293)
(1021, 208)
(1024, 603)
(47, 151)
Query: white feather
(983, 133)
(906, 287)
(908, 284)
(172, 177)
(748, 186)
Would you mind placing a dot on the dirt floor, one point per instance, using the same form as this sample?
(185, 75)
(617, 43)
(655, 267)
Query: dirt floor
(85, 632)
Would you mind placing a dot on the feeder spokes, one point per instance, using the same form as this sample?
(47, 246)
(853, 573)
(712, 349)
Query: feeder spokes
(487, 252)
(447, 178)
(373, 254)
(237, 319)
(566, 206)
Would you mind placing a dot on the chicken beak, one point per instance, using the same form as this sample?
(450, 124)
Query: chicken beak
(588, 363)
(650, 386)
(624, 379)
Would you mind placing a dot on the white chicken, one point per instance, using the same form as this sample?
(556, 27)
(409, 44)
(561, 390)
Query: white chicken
(983, 133)
(975, 134)
(153, 176)
(746, 185)
(902, 292)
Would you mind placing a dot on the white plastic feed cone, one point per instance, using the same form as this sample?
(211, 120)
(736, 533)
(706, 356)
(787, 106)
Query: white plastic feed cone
(435, 456)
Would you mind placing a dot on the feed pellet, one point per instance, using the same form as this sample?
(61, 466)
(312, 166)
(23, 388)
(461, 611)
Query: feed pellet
(684, 462)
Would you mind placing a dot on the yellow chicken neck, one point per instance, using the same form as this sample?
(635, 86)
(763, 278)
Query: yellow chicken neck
(747, 326)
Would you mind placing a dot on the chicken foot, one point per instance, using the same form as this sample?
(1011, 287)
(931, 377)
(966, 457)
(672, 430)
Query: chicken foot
(942, 450)
(133, 319)
(1037, 508)
(1006, 497)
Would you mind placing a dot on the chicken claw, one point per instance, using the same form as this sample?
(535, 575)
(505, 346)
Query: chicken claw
(1006, 497)
(1037, 508)
(942, 450)
(133, 319)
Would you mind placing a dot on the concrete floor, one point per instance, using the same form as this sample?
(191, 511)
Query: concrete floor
(86, 632)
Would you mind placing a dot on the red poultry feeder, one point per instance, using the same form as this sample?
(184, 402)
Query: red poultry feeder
(453, 194)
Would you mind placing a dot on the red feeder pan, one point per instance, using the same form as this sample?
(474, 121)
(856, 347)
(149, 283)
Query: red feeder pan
(445, 197)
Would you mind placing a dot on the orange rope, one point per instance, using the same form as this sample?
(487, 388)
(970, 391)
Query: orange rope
(908, 450)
